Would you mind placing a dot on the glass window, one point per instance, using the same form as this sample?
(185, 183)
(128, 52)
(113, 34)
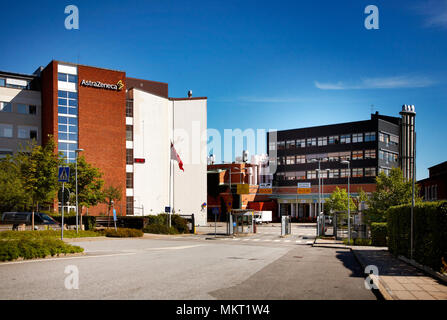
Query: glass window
(344, 173)
(290, 144)
(72, 78)
(281, 145)
(129, 206)
(73, 121)
(346, 155)
(129, 180)
(370, 136)
(301, 143)
(290, 175)
(129, 133)
(290, 160)
(394, 140)
(2, 82)
(129, 156)
(6, 130)
(281, 160)
(72, 95)
(381, 155)
(333, 140)
(345, 138)
(322, 141)
(370, 154)
(32, 110)
(27, 133)
(62, 102)
(129, 109)
(357, 137)
(301, 159)
(311, 174)
(272, 146)
(62, 110)
(357, 172)
(357, 155)
(5, 107)
(334, 156)
(73, 103)
(311, 142)
(62, 77)
(62, 94)
(334, 173)
(370, 172)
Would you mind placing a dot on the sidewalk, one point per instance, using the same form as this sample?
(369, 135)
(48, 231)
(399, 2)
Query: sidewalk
(397, 280)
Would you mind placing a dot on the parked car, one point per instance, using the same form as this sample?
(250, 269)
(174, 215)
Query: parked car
(17, 218)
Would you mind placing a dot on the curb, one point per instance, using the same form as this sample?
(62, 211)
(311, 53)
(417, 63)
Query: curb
(430, 271)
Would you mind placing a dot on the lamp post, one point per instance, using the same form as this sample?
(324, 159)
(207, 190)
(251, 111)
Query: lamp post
(349, 202)
(319, 192)
(77, 206)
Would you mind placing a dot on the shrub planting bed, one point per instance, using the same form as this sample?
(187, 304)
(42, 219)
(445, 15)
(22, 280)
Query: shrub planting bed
(123, 233)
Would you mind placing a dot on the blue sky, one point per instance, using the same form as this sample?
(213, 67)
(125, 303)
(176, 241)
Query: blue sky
(268, 65)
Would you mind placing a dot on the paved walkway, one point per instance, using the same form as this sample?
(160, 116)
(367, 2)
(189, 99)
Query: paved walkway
(397, 280)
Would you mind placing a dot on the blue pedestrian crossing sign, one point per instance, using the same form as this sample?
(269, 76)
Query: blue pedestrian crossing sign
(64, 174)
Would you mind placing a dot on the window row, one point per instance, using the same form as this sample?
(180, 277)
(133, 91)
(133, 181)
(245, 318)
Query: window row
(67, 77)
(388, 156)
(67, 102)
(327, 174)
(389, 139)
(15, 84)
(324, 141)
(325, 157)
(20, 108)
(129, 108)
(23, 132)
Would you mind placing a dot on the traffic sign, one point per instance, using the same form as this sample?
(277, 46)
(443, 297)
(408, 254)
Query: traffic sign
(303, 187)
(64, 174)
(215, 211)
(167, 209)
(66, 195)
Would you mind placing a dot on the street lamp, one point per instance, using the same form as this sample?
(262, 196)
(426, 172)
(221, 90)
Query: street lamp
(349, 207)
(77, 207)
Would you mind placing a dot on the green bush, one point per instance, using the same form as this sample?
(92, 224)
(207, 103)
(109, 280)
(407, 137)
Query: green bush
(358, 242)
(34, 248)
(429, 229)
(379, 234)
(123, 233)
(160, 229)
(41, 234)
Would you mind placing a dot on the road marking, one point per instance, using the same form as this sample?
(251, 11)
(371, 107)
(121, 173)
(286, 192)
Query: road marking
(286, 240)
(277, 240)
(68, 258)
(256, 239)
(236, 239)
(174, 248)
(246, 240)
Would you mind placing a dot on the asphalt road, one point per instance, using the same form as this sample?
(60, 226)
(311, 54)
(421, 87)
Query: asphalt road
(190, 268)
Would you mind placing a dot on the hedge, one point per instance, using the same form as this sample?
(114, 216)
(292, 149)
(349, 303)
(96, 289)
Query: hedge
(89, 222)
(179, 224)
(123, 233)
(34, 248)
(430, 236)
(379, 234)
(160, 229)
(41, 234)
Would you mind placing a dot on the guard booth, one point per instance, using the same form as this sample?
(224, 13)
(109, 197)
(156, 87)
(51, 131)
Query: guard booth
(241, 221)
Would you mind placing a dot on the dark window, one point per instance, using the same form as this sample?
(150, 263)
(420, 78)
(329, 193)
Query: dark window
(129, 133)
(129, 180)
(129, 206)
(129, 108)
(129, 156)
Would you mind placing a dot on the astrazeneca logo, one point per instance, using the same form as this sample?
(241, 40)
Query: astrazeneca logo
(98, 84)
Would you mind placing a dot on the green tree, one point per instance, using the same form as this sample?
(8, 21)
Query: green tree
(90, 184)
(38, 170)
(391, 190)
(12, 194)
(111, 193)
(338, 201)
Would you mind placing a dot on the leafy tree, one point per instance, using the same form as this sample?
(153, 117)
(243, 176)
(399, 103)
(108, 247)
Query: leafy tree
(391, 190)
(90, 184)
(38, 171)
(338, 201)
(12, 194)
(111, 193)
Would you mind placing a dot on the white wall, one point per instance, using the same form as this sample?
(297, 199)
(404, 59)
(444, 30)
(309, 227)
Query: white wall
(153, 132)
(190, 186)
(151, 142)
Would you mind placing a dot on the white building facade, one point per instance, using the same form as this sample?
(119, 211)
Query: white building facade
(158, 181)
